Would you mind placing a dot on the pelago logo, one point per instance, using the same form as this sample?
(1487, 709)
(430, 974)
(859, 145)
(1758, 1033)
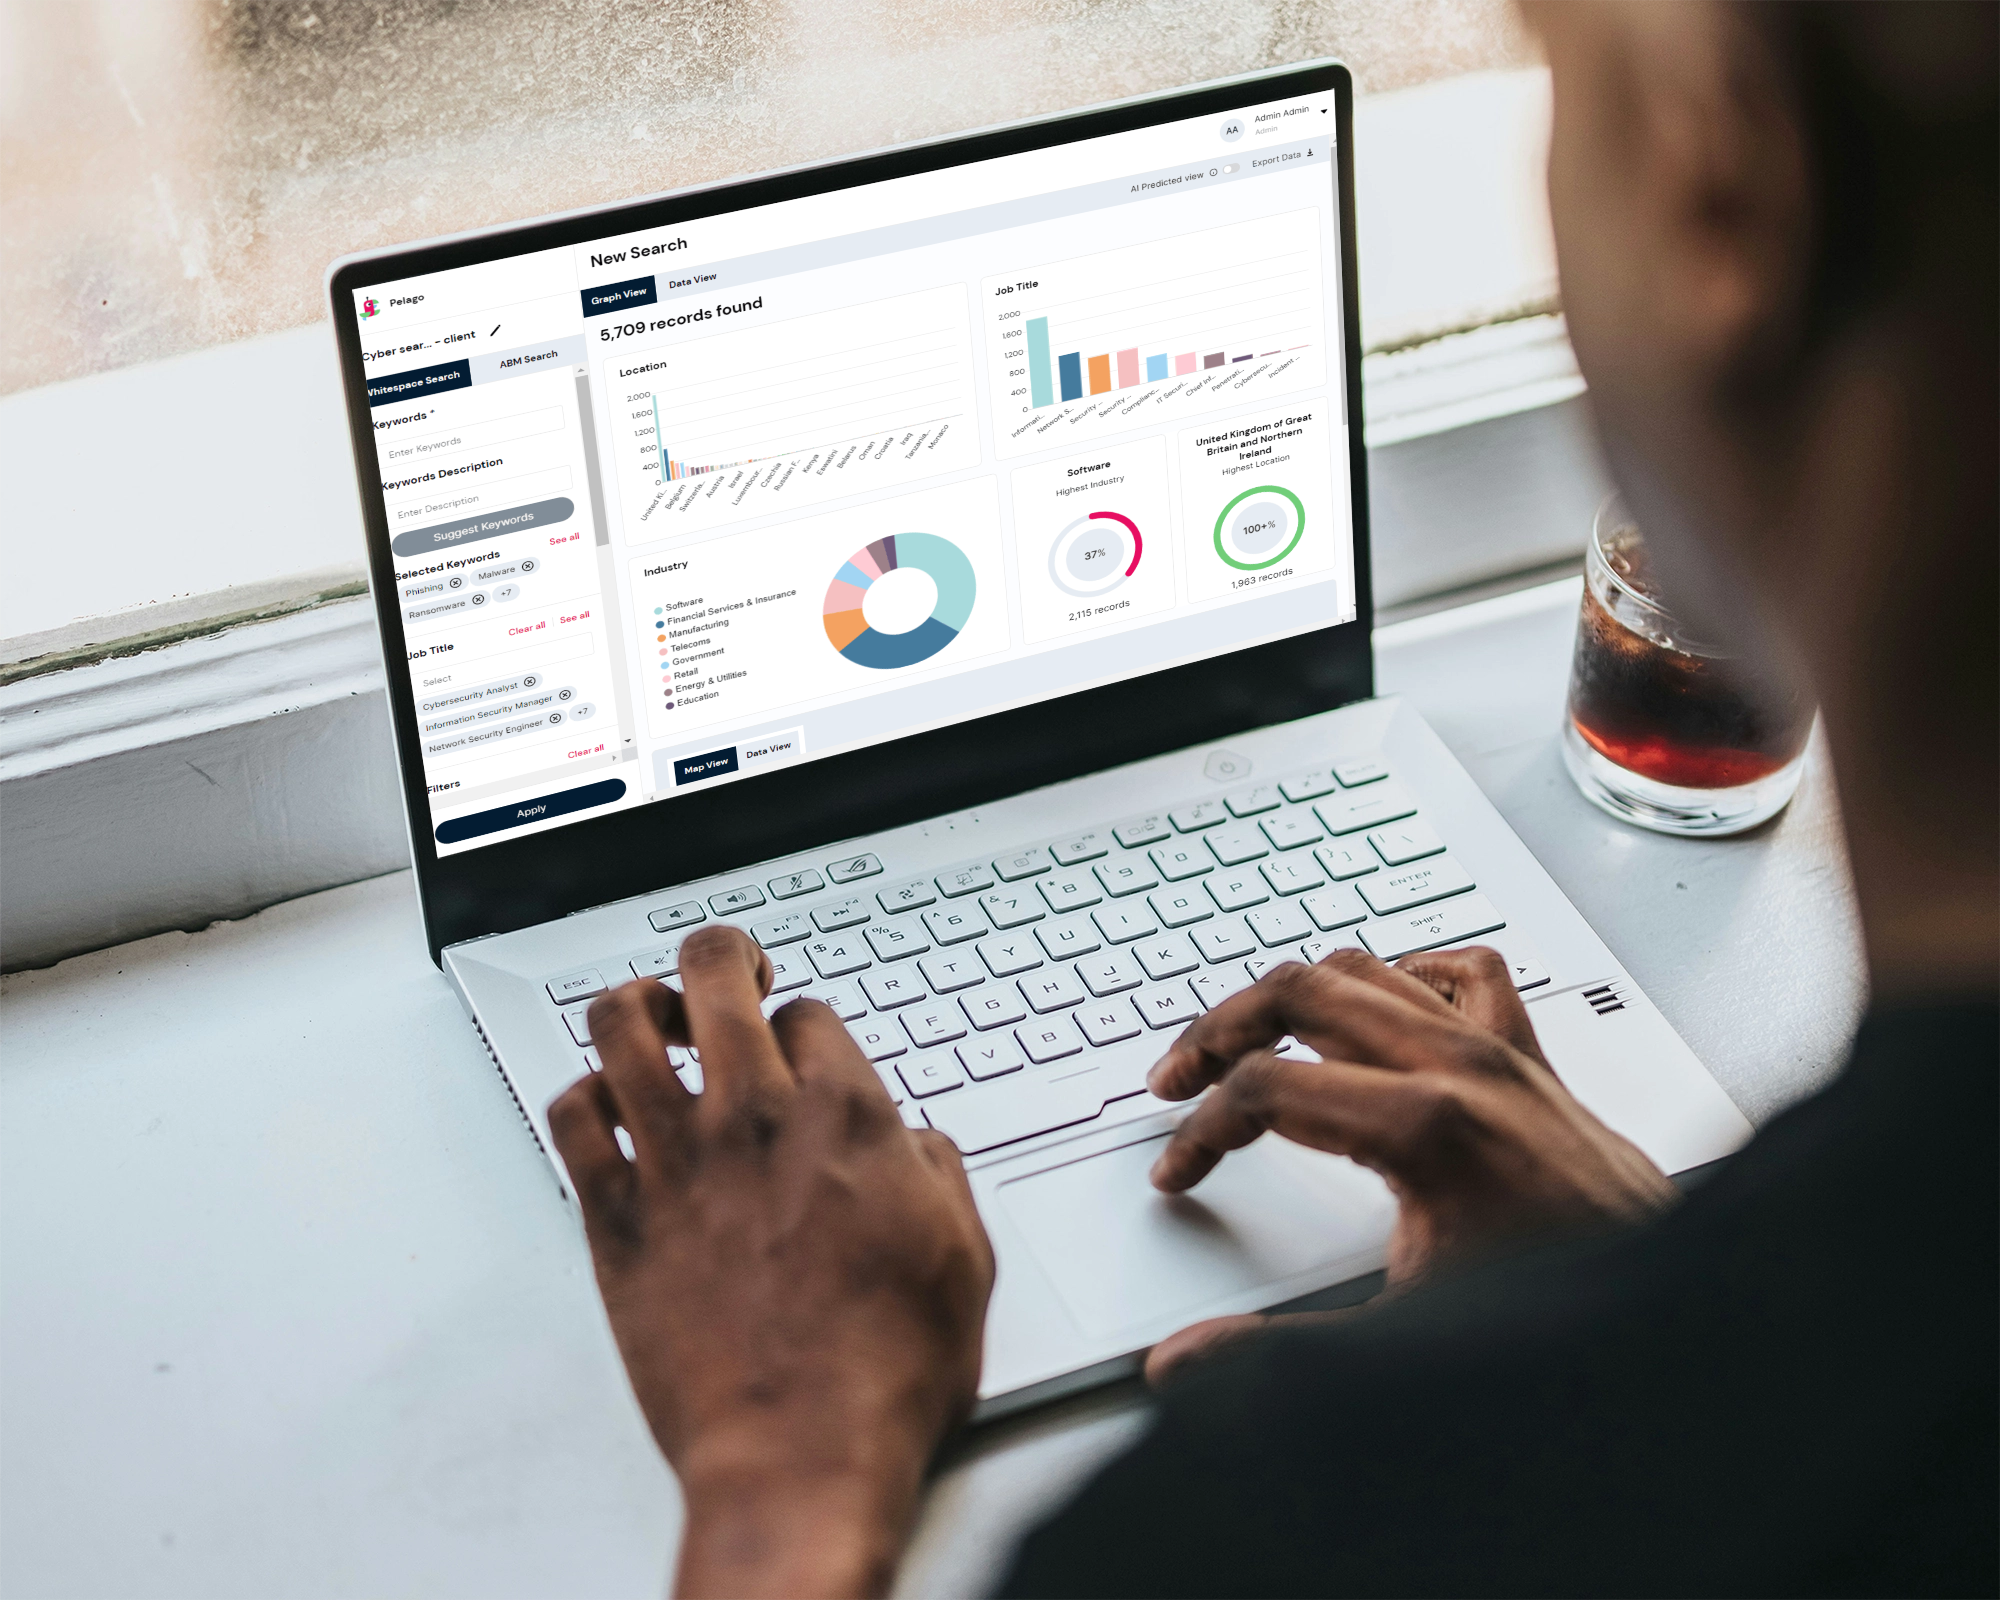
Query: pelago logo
(368, 307)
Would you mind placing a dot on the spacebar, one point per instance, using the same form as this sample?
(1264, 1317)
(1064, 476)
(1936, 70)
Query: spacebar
(1001, 1113)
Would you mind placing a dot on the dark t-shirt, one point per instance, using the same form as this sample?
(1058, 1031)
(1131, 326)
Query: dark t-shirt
(1786, 1385)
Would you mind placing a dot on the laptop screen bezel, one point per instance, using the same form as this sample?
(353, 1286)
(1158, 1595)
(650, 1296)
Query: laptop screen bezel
(677, 839)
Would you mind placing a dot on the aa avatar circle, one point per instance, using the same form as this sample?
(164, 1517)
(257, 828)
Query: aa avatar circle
(1095, 554)
(1260, 527)
(938, 559)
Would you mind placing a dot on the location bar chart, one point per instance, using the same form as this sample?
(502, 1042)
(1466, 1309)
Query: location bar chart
(1174, 325)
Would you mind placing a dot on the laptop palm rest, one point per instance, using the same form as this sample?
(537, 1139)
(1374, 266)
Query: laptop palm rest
(1122, 1256)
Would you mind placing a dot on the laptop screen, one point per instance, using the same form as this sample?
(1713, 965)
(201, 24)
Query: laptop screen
(676, 507)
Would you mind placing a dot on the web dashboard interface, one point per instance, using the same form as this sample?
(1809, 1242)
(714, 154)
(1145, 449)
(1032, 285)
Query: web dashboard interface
(675, 508)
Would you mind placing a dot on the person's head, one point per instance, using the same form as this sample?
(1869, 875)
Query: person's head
(1777, 229)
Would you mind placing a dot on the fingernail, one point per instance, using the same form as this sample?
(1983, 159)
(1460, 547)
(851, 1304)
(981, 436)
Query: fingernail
(1154, 1075)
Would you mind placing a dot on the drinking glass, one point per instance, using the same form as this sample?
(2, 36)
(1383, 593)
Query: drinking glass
(1667, 729)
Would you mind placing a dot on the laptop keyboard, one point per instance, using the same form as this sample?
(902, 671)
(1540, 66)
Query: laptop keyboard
(994, 997)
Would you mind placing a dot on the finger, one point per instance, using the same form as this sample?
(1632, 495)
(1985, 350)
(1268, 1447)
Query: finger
(1365, 967)
(580, 1122)
(1205, 1339)
(724, 978)
(647, 1100)
(1324, 1007)
(818, 1045)
(1350, 1110)
(1479, 985)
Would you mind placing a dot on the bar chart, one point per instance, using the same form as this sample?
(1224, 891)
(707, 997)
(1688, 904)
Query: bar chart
(789, 413)
(1172, 327)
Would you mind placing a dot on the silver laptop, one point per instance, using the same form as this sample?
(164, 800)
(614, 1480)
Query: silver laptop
(949, 565)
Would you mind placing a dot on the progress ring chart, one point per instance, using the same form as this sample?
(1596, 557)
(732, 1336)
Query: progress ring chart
(1260, 527)
(939, 559)
(1095, 554)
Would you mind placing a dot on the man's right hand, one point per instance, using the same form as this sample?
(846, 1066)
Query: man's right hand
(1431, 1076)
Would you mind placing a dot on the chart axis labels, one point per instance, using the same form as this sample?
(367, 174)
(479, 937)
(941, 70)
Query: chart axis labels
(939, 559)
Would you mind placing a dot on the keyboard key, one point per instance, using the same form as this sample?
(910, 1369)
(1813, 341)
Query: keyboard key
(789, 971)
(1022, 864)
(1523, 963)
(1292, 830)
(879, 1038)
(587, 984)
(1166, 1007)
(955, 924)
(1283, 923)
(1250, 802)
(1292, 875)
(1063, 940)
(1038, 1102)
(1107, 1024)
(684, 915)
(1234, 846)
(1071, 893)
(991, 1058)
(891, 941)
(853, 867)
(1011, 908)
(1402, 887)
(931, 1073)
(1308, 785)
(1406, 841)
(1445, 923)
(577, 1020)
(1137, 831)
(966, 880)
(1084, 847)
(782, 930)
(1347, 813)
(893, 1084)
(1127, 876)
(1224, 940)
(1202, 814)
(747, 898)
(1177, 861)
(838, 914)
(1119, 923)
(948, 972)
(1049, 1040)
(1005, 956)
(843, 999)
(1314, 951)
(887, 990)
(836, 958)
(590, 1060)
(936, 1023)
(1232, 891)
(1212, 988)
(906, 896)
(1109, 973)
(1257, 966)
(793, 884)
(657, 963)
(1353, 774)
(1052, 990)
(1176, 908)
(993, 1008)
(1345, 860)
(1166, 957)
(1338, 907)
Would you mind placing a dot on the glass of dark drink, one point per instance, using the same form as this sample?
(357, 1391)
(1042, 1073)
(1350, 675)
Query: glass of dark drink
(1665, 729)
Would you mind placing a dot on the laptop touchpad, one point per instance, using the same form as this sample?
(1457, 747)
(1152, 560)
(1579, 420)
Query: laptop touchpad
(1123, 1255)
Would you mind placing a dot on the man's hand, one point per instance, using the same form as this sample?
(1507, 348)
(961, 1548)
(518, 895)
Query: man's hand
(797, 1282)
(1432, 1077)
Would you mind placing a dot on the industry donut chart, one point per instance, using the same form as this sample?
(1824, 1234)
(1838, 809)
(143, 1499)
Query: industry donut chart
(938, 559)
(1095, 554)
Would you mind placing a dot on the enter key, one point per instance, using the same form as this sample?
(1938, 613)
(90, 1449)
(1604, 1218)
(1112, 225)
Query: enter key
(1399, 888)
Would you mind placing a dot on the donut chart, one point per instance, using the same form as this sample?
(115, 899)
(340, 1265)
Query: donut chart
(1267, 528)
(939, 559)
(1095, 554)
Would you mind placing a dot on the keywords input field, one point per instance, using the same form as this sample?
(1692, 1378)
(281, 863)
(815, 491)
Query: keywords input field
(473, 436)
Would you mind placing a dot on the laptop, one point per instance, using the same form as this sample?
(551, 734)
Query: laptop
(950, 566)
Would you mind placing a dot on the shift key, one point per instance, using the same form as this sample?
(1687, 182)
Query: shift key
(1460, 918)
